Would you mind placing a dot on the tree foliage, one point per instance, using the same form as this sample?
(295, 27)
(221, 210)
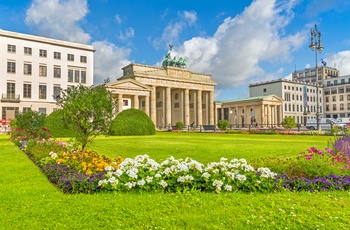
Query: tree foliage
(31, 122)
(223, 124)
(132, 122)
(289, 123)
(57, 125)
(88, 110)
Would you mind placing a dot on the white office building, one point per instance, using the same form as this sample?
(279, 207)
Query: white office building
(299, 98)
(33, 70)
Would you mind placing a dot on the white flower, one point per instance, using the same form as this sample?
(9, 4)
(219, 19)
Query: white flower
(163, 183)
(266, 173)
(129, 184)
(141, 183)
(53, 155)
(181, 179)
(206, 175)
(109, 168)
(228, 188)
(223, 159)
(149, 179)
(241, 177)
(218, 183)
(118, 172)
(157, 175)
(102, 182)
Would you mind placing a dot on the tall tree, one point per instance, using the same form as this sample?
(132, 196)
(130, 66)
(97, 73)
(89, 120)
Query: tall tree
(88, 110)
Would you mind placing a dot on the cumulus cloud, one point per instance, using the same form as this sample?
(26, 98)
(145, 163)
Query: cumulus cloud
(341, 61)
(109, 59)
(129, 33)
(235, 51)
(173, 30)
(58, 19)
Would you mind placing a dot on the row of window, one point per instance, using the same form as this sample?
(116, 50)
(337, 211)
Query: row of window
(335, 82)
(74, 75)
(27, 91)
(341, 98)
(43, 53)
(337, 90)
(300, 108)
(334, 107)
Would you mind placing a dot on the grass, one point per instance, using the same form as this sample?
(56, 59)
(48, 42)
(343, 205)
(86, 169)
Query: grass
(29, 201)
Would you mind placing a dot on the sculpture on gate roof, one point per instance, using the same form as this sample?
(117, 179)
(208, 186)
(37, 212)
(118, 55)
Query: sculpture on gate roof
(168, 61)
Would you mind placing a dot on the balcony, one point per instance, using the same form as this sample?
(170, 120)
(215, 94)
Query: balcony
(10, 97)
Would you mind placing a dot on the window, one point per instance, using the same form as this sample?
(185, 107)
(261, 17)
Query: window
(76, 76)
(57, 55)
(27, 51)
(327, 99)
(26, 109)
(70, 57)
(341, 98)
(11, 67)
(42, 91)
(83, 76)
(42, 110)
(341, 107)
(82, 59)
(334, 98)
(42, 71)
(70, 75)
(27, 70)
(42, 53)
(11, 87)
(57, 72)
(264, 90)
(334, 107)
(27, 90)
(56, 91)
(327, 107)
(342, 81)
(348, 106)
(348, 97)
(11, 48)
(287, 96)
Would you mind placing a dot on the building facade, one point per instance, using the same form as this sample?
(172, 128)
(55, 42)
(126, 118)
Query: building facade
(34, 70)
(262, 111)
(168, 94)
(299, 98)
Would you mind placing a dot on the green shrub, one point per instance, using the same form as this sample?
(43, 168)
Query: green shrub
(132, 122)
(289, 123)
(223, 124)
(58, 128)
(31, 124)
(179, 125)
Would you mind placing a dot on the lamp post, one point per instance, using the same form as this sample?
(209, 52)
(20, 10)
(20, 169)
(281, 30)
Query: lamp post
(317, 47)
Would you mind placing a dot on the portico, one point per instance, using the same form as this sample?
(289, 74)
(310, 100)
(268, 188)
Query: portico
(167, 94)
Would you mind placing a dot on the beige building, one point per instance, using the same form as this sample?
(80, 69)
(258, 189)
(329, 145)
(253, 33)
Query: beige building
(264, 111)
(168, 94)
(299, 98)
(33, 70)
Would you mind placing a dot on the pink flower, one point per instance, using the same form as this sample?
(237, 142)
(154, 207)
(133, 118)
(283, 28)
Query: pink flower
(309, 157)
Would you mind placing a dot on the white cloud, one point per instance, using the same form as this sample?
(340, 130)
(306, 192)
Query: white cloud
(118, 20)
(58, 19)
(240, 44)
(173, 30)
(108, 61)
(341, 61)
(129, 33)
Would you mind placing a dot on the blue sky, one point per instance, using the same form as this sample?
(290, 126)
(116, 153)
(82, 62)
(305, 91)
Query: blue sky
(239, 41)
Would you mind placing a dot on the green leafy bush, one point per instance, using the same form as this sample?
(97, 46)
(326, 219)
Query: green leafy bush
(179, 125)
(289, 123)
(223, 124)
(58, 128)
(132, 122)
(30, 124)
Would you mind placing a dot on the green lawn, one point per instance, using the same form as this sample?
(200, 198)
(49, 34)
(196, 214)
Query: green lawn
(29, 201)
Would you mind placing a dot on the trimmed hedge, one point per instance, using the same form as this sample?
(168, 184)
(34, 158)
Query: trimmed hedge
(132, 122)
(55, 124)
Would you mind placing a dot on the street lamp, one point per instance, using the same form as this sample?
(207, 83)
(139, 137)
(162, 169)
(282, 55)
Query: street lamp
(317, 46)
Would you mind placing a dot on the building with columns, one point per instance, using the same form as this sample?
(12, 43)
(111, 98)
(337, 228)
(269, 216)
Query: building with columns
(168, 94)
(261, 110)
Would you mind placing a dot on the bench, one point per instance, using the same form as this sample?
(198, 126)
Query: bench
(209, 127)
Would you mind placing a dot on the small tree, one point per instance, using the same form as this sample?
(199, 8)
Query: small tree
(179, 125)
(289, 123)
(223, 124)
(88, 110)
(30, 122)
